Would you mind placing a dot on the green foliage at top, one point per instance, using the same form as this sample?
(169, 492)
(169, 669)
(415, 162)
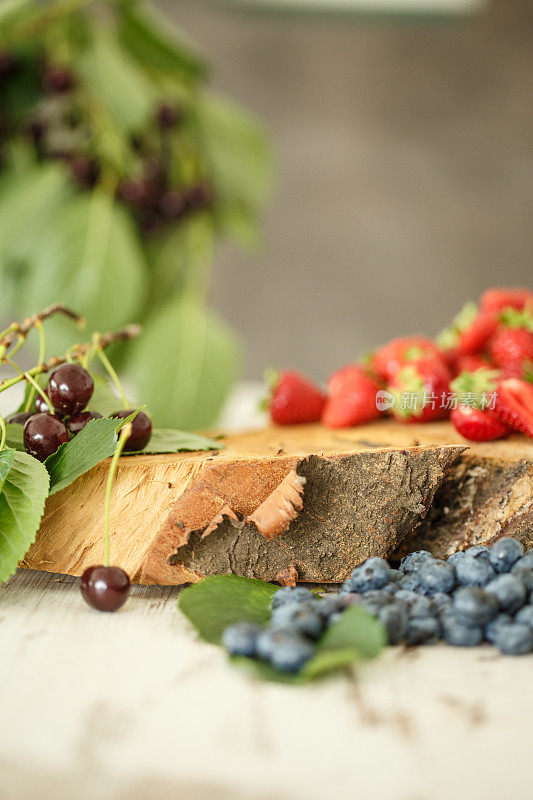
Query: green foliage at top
(113, 208)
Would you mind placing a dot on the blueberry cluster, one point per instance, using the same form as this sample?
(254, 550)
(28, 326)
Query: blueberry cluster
(69, 390)
(481, 594)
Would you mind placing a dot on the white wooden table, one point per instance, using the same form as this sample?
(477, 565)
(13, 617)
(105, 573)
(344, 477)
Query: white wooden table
(131, 705)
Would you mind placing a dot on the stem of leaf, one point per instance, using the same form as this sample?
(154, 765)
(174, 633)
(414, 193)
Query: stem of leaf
(42, 353)
(113, 375)
(4, 433)
(125, 433)
(27, 376)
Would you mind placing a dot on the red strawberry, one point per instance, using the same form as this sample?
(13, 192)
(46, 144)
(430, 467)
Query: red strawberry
(511, 346)
(420, 390)
(388, 360)
(469, 332)
(497, 298)
(294, 399)
(352, 398)
(470, 364)
(514, 405)
(477, 425)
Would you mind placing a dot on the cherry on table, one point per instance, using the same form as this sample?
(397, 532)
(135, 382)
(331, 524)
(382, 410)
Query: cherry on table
(43, 434)
(105, 588)
(141, 429)
(77, 422)
(70, 388)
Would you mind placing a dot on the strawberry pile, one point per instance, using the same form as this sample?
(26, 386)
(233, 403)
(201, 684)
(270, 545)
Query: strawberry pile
(478, 372)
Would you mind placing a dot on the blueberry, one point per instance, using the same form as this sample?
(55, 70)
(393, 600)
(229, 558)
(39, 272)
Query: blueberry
(455, 557)
(334, 604)
(505, 553)
(456, 633)
(475, 606)
(471, 571)
(395, 576)
(497, 622)
(437, 576)
(374, 600)
(441, 602)
(300, 618)
(416, 605)
(514, 639)
(286, 651)
(423, 630)
(394, 619)
(240, 639)
(479, 551)
(408, 582)
(527, 559)
(373, 574)
(525, 616)
(524, 573)
(413, 561)
(291, 594)
(509, 591)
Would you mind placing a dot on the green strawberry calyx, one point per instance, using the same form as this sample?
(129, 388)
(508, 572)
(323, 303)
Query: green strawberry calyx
(476, 389)
(448, 338)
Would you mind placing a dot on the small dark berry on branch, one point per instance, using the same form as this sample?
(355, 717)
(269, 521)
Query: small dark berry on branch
(77, 422)
(172, 204)
(43, 434)
(167, 116)
(198, 196)
(84, 170)
(141, 429)
(70, 388)
(57, 80)
(8, 63)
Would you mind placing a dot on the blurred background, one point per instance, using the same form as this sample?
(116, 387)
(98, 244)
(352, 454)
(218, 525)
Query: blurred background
(273, 183)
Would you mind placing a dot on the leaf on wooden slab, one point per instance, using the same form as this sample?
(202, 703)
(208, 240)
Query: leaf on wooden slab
(222, 600)
(194, 354)
(91, 445)
(22, 499)
(166, 440)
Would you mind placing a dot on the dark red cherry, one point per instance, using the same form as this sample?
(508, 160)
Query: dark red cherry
(70, 388)
(40, 405)
(43, 434)
(57, 80)
(105, 588)
(172, 204)
(21, 417)
(167, 116)
(141, 429)
(77, 423)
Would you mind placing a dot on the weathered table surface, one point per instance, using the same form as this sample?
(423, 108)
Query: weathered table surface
(131, 705)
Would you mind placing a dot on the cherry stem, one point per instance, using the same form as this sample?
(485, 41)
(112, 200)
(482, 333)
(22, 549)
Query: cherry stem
(125, 433)
(21, 330)
(33, 383)
(42, 353)
(112, 374)
(3, 429)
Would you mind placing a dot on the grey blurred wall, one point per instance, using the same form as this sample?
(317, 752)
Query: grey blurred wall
(405, 156)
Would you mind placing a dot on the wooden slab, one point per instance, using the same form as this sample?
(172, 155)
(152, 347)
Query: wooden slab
(300, 502)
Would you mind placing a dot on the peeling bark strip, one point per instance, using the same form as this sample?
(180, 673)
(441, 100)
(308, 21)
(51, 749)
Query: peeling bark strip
(176, 518)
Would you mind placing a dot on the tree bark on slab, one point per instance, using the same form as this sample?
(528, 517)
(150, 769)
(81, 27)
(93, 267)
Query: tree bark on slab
(281, 504)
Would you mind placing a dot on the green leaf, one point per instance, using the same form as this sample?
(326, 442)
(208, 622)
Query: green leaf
(222, 600)
(157, 44)
(104, 399)
(6, 462)
(166, 440)
(238, 152)
(181, 258)
(91, 445)
(117, 82)
(355, 636)
(184, 364)
(92, 259)
(15, 436)
(21, 507)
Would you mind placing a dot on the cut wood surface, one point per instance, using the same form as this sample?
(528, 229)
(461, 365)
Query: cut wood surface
(301, 502)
